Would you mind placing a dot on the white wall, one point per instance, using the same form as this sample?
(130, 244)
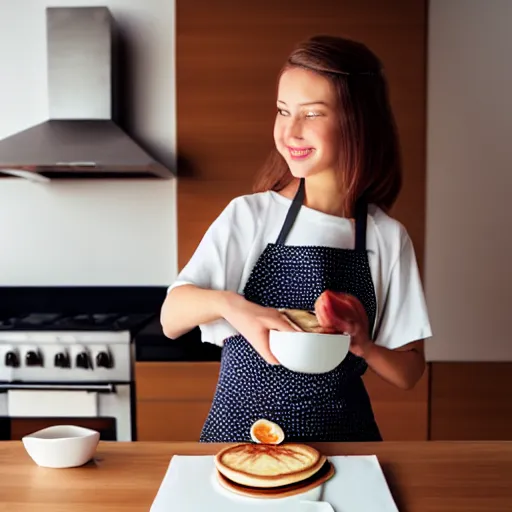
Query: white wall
(96, 232)
(469, 169)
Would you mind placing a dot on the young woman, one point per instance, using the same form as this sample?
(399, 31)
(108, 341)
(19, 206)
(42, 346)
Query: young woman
(317, 220)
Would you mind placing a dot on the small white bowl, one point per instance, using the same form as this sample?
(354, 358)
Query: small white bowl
(61, 446)
(307, 352)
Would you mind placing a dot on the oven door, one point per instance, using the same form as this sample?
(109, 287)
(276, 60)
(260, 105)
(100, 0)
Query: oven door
(28, 407)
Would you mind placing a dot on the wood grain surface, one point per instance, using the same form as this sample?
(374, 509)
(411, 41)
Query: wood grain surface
(423, 476)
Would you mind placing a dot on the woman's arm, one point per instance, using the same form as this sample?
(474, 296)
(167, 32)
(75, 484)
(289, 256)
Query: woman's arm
(404, 317)
(402, 367)
(198, 295)
(188, 306)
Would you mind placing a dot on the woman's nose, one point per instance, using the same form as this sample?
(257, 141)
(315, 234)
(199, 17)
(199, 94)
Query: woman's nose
(293, 129)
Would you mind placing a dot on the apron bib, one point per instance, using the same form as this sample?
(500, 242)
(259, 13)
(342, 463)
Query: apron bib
(332, 406)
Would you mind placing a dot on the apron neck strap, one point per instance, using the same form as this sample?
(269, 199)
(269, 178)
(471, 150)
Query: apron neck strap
(293, 211)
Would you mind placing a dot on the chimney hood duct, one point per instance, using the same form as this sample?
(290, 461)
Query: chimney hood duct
(82, 138)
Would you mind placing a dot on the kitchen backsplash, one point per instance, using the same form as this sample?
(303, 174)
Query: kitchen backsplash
(85, 233)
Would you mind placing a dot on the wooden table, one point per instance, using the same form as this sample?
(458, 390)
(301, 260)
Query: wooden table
(423, 476)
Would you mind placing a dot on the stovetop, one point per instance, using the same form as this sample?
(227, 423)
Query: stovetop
(83, 321)
(73, 334)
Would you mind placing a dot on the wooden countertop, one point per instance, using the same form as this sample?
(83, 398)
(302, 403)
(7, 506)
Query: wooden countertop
(423, 476)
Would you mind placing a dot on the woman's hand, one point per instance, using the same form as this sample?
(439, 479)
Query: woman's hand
(360, 344)
(254, 322)
(343, 312)
(357, 328)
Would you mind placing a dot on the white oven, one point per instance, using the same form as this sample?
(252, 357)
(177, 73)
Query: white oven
(29, 407)
(73, 377)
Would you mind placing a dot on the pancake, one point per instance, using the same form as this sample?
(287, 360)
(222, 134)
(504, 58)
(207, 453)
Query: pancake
(305, 320)
(321, 476)
(267, 466)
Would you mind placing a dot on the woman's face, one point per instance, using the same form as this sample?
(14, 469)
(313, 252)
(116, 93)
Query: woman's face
(306, 130)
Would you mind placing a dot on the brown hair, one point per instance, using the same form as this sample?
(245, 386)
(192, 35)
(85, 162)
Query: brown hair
(369, 151)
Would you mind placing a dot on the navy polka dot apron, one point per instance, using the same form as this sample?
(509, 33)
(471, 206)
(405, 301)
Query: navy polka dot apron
(332, 406)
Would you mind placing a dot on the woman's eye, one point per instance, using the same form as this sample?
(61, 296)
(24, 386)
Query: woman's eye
(310, 115)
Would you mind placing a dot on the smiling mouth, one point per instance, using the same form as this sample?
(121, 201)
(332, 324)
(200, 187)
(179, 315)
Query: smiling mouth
(300, 153)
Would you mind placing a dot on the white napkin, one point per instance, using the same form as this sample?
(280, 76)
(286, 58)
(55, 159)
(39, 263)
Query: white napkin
(358, 485)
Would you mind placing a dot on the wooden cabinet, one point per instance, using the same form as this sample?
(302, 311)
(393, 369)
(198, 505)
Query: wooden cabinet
(401, 415)
(471, 401)
(173, 401)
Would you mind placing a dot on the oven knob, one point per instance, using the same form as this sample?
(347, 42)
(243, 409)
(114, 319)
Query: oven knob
(82, 360)
(103, 360)
(62, 360)
(12, 359)
(33, 358)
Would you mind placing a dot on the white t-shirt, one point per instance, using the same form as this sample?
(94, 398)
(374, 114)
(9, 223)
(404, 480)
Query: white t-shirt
(235, 240)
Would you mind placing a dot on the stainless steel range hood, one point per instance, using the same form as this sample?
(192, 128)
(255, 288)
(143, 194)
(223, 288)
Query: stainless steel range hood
(82, 138)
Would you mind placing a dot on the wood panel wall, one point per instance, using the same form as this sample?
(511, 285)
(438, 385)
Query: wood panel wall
(227, 59)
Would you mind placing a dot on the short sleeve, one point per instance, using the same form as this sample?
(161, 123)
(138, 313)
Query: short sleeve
(404, 317)
(218, 262)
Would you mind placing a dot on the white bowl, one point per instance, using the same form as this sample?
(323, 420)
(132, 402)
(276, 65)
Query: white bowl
(62, 446)
(307, 352)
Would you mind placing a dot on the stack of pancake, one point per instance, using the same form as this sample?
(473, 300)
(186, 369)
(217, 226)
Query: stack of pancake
(271, 470)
